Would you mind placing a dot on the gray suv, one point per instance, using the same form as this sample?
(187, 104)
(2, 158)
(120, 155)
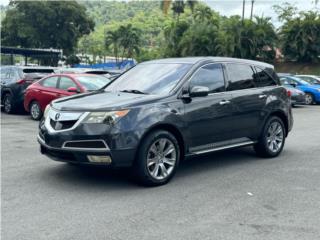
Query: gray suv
(161, 111)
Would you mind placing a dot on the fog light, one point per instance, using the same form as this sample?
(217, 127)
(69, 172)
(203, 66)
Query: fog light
(99, 159)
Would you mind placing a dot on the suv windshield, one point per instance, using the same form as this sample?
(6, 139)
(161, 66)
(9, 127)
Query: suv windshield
(91, 83)
(150, 78)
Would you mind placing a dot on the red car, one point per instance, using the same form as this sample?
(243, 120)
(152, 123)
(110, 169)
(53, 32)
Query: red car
(39, 94)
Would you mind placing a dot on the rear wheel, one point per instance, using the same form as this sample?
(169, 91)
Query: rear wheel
(8, 105)
(35, 111)
(309, 99)
(272, 138)
(157, 159)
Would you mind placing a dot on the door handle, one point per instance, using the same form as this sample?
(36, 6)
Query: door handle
(224, 102)
(262, 96)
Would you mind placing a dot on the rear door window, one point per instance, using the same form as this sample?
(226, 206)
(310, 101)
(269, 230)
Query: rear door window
(210, 76)
(50, 82)
(263, 79)
(240, 76)
(66, 83)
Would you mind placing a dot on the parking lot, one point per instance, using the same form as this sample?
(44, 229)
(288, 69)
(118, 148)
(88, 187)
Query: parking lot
(225, 195)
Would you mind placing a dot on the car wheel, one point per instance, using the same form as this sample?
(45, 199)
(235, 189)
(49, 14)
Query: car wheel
(272, 139)
(8, 105)
(309, 99)
(157, 158)
(35, 111)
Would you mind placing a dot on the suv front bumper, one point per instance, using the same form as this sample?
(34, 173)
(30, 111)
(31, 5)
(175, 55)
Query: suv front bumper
(93, 156)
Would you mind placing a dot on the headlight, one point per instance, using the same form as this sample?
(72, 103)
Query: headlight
(105, 117)
(45, 114)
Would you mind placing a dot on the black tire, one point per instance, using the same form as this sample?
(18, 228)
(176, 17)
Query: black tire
(309, 99)
(8, 104)
(141, 169)
(263, 147)
(35, 111)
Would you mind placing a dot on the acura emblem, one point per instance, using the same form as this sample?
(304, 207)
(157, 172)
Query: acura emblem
(57, 116)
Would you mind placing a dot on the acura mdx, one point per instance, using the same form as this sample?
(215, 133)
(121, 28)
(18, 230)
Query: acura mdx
(161, 111)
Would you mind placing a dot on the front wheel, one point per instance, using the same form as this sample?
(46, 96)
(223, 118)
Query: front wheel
(35, 111)
(309, 99)
(8, 105)
(157, 159)
(272, 139)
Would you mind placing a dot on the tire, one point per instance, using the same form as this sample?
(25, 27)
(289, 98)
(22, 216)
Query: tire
(35, 111)
(152, 151)
(8, 105)
(272, 139)
(309, 99)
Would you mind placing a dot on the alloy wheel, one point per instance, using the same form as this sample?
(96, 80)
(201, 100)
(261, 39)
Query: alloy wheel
(35, 111)
(309, 99)
(275, 137)
(161, 158)
(7, 104)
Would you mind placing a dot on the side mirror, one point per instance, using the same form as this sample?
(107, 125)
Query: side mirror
(72, 89)
(293, 84)
(199, 91)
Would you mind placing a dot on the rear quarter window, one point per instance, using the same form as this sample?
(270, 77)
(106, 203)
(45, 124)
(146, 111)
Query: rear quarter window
(263, 79)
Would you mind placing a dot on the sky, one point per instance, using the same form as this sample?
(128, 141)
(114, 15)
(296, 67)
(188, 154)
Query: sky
(261, 7)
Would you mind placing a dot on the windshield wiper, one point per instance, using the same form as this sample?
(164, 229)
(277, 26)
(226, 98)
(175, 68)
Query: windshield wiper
(133, 91)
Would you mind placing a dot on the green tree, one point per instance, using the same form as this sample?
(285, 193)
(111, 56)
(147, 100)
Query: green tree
(125, 41)
(300, 37)
(45, 24)
(202, 13)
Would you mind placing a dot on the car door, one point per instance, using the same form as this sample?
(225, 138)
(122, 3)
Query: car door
(48, 91)
(208, 118)
(64, 84)
(248, 100)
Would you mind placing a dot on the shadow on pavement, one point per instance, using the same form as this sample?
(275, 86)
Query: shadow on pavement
(103, 177)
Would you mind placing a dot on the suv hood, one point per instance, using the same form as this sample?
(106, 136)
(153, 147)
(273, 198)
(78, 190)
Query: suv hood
(100, 100)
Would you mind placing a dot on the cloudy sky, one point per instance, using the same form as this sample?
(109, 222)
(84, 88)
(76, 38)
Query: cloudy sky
(261, 7)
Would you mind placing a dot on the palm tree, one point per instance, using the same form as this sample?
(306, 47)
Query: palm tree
(203, 13)
(112, 39)
(243, 8)
(129, 40)
(177, 6)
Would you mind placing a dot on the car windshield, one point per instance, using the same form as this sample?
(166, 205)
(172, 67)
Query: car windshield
(150, 78)
(91, 83)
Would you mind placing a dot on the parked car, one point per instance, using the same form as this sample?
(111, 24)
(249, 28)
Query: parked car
(161, 111)
(41, 93)
(312, 79)
(297, 96)
(312, 91)
(14, 81)
(107, 73)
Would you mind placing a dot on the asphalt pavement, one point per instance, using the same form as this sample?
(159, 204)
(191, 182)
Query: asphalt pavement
(225, 195)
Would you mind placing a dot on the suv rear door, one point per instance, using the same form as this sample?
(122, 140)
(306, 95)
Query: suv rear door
(248, 100)
(209, 118)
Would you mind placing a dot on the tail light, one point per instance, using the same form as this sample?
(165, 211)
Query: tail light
(21, 81)
(289, 93)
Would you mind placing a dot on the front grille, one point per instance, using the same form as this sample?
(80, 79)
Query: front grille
(61, 125)
(85, 144)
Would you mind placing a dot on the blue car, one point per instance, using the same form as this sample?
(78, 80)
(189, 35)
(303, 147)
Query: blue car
(312, 91)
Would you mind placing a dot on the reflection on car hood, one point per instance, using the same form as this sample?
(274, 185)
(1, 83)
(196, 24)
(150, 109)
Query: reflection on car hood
(100, 100)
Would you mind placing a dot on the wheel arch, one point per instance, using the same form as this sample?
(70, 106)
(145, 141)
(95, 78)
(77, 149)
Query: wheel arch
(170, 128)
(282, 116)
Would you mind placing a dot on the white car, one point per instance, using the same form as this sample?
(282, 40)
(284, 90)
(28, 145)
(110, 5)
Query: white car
(313, 79)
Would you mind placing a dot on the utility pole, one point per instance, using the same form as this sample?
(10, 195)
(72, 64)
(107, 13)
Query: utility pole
(251, 15)
(243, 8)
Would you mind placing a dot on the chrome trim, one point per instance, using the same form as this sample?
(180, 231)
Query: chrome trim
(88, 150)
(66, 116)
(106, 148)
(224, 147)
